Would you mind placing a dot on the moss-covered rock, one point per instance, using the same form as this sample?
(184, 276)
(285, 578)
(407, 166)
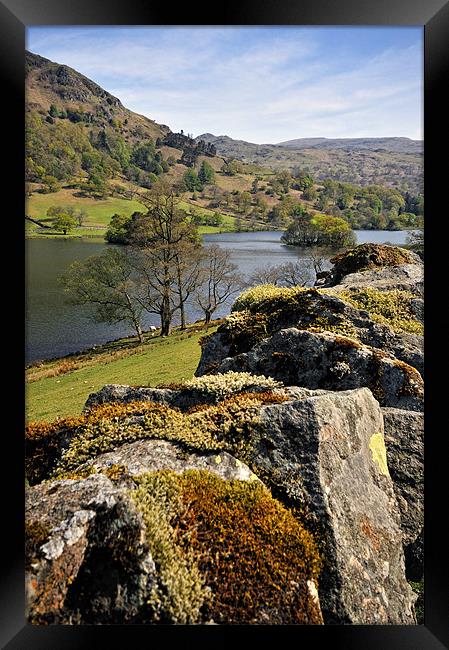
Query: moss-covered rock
(168, 548)
(208, 427)
(368, 256)
(183, 395)
(394, 308)
(384, 320)
(227, 552)
(332, 362)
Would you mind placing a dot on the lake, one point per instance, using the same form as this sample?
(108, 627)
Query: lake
(54, 328)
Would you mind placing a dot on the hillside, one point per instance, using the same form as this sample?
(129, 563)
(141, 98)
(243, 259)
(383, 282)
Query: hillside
(86, 154)
(394, 162)
(50, 83)
(77, 129)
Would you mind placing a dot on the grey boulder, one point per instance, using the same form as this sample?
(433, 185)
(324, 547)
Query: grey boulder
(331, 362)
(325, 456)
(404, 439)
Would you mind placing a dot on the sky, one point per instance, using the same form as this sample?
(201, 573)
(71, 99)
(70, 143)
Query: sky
(259, 84)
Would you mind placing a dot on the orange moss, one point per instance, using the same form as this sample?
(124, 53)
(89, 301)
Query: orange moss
(44, 441)
(254, 554)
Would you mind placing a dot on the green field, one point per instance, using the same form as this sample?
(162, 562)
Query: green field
(158, 360)
(99, 213)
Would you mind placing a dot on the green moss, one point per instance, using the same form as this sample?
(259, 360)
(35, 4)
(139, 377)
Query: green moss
(226, 551)
(227, 426)
(252, 298)
(392, 308)
(222, 385)
(244, 329)
(45, 441)
(267, 309)
(179, 593)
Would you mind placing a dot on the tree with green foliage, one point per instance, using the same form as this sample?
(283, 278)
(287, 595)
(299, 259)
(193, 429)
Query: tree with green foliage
(302, 181)
(106, 282)
(191, 180)
(284, 179)
(309, 193)
(64, 222)
(117, 232)
(51, 184)
(81, 216)
(319, 230)
(232, 167)
(206, 173)
(97, 184)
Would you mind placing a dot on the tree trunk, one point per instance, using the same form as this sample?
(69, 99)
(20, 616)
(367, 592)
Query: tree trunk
(165, 317)
(183, 316)
(208, 316)
(138, 331)
(165, 326)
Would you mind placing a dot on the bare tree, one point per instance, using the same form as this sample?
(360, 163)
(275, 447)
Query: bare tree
(267, 274)
(319, 257)
(220, 280)
(289, 274)
(297, 273)
(106, 282)
(189, 275)
(166, 264)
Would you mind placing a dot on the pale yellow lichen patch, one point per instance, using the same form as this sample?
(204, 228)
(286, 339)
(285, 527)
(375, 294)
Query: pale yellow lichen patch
(377, 446)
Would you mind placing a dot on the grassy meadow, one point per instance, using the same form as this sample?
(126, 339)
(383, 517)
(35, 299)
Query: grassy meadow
(59, 388)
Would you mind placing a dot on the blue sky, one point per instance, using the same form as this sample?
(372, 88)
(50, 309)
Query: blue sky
(260, 84)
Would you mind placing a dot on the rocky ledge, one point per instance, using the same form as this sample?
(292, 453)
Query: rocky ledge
(282, 487)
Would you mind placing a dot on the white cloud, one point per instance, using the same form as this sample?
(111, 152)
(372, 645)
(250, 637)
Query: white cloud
(262, 91)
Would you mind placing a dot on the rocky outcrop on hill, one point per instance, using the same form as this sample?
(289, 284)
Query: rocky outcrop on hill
(371, 256)
(393, 324)
(404, 277)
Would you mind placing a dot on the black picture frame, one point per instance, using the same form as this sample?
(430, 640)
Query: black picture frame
(433, 15)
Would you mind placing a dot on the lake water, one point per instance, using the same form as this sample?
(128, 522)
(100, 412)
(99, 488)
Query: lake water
(54, 328)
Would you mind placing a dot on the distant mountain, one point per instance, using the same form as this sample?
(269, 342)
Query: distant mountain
(400, 145)
(394, 162)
